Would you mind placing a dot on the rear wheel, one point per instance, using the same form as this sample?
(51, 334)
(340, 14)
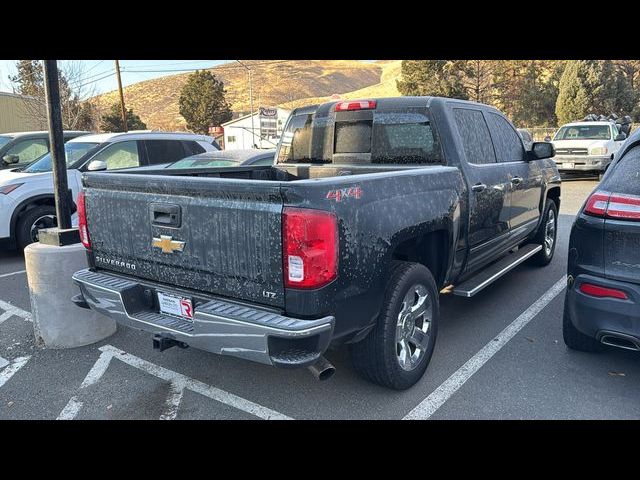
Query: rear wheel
(397, 351)
(34, 219)
(546, 235)
(575, 339)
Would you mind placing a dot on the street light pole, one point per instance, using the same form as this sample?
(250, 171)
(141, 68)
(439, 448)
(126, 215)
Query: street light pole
(253, 134)
(56, 139)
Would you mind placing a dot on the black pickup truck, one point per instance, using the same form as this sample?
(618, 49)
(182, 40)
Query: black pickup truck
(371, 208)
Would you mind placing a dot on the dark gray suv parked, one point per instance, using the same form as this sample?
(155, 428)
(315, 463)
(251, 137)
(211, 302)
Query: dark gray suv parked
(20, 148)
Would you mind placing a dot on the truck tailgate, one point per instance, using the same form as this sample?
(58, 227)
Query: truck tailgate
(231, 231)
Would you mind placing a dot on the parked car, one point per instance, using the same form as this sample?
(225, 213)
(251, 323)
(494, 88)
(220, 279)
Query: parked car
(371, 208)
(221, 158)
(587, 146)
(21, 148)
(26, 194)
(602, 302)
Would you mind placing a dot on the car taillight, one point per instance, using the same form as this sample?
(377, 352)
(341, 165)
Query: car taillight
(598, 291)
(356, 105)
(597, 204)
(624, 206)
(310, 247)
(82, 222)
(613, 205)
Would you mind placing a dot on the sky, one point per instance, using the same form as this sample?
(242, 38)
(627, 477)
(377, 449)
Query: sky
(100, 76)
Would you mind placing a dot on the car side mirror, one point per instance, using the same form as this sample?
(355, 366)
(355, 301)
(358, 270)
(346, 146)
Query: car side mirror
(97, 166)
(11, 159)
(620, 137)
(541, 150)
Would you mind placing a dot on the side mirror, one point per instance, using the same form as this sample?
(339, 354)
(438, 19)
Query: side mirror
(620, 137)
(542, 150)
(547, 138)
(97, 166)
(11, 159)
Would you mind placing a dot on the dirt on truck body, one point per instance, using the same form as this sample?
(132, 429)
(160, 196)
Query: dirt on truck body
(370, 208)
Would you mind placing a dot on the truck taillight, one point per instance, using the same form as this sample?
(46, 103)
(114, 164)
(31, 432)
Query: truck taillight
(82, 222)
(310, 247)
(613, 205)
(356, 105)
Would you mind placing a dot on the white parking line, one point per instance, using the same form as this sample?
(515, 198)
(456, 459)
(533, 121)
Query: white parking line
(12, 273)
(12, 369)
(3, 363)
(440, 395)
(11, 310)
(177, 381)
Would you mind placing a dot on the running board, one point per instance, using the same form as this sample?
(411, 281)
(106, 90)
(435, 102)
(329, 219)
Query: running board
(493, 272)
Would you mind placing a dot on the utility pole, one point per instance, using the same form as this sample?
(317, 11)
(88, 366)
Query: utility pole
(56, 139)
(124, 110)
(253, 134)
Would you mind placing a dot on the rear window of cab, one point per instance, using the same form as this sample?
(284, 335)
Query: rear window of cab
(387, 137)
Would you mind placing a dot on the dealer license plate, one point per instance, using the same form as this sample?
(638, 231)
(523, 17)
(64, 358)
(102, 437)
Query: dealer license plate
(174, 305)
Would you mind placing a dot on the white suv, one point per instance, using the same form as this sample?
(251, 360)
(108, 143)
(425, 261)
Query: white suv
(587, 146)
(26, 194)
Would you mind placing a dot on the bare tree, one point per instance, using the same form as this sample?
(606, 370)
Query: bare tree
(77, 88)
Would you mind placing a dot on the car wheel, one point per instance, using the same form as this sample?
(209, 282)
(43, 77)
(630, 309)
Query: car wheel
(397, 351)
(33, 220)
(546, 235)
(573, 338)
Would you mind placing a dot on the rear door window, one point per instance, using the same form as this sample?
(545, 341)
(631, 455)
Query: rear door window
(164, 151)
(507, 141)
(192, 148)
(625, 176)
(475, 136)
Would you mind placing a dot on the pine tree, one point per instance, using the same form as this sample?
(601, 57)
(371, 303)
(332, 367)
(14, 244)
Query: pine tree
(202, 102)
(593, 86)
(440, 78)
(112, 121)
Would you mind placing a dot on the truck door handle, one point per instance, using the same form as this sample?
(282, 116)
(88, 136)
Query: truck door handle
(479, 187)
(516, 180)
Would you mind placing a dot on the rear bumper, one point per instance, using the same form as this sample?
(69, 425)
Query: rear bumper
(597, 317)
(219, 326)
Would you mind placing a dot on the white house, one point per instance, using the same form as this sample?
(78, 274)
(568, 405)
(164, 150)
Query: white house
(262, 129)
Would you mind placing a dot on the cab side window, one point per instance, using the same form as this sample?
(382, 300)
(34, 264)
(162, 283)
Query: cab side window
(475, 136)
(120, 155)
(29, 150)
(508, 143)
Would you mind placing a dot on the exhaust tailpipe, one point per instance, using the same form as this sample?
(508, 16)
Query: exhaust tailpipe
(322, 369)
(620, 341)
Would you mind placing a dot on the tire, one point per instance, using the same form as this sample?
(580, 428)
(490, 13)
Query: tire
(573, 338)
(27, 220)
(379, 357)
(544, 256)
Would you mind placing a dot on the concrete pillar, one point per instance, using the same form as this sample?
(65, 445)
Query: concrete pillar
(57, 322)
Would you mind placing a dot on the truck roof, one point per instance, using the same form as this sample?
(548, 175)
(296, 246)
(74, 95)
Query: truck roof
(576, 124)
(395, 102)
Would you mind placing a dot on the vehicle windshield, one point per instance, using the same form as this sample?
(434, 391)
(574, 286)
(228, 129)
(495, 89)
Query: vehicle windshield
(4, 141)
(202, 163)
(584, 132)
(73, 152)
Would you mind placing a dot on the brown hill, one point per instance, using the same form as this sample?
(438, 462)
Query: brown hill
(275, 82)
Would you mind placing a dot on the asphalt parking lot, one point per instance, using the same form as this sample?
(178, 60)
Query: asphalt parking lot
(499, 355)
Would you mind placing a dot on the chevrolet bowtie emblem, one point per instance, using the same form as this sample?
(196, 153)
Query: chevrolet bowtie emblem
(167, 244)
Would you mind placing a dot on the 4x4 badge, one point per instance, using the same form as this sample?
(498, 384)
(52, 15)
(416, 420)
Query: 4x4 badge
(167, 244)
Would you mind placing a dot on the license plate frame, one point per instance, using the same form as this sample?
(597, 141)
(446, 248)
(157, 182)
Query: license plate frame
(175, 305)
